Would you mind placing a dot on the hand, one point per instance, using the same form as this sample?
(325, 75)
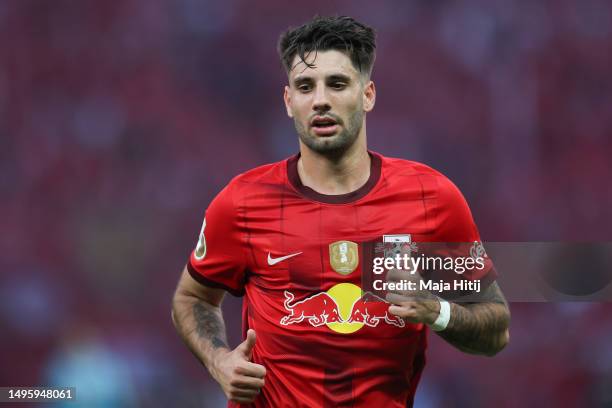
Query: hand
(240, 379)
(414, 306)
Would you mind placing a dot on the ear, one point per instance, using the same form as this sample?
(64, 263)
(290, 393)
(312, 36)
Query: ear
(369, 96)
(287, 99)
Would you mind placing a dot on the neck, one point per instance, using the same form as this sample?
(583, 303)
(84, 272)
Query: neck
(333, 175)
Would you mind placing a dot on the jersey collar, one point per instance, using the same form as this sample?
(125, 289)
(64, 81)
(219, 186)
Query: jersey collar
(294, 179)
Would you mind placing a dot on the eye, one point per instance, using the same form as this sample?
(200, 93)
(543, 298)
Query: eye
(338, 85)
(304, 88)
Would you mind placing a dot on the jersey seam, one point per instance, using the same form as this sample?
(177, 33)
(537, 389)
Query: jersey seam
(246, 236)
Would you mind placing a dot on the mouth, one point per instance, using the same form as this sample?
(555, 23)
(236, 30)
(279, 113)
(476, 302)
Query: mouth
(324, 125)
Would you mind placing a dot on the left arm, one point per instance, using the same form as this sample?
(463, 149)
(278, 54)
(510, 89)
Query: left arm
(475, 328)
(479, 327)
(482, 327)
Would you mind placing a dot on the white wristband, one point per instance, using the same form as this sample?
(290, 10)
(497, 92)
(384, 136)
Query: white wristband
(444, 316)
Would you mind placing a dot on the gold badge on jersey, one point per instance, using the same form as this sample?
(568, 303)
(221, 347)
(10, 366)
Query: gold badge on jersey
(344, 256)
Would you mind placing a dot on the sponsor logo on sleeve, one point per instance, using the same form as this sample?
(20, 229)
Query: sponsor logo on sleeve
(477, 250)
(200, 251)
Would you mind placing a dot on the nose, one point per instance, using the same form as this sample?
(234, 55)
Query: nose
(320, 102)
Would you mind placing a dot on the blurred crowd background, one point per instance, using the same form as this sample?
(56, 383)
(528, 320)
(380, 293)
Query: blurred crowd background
(120, 120)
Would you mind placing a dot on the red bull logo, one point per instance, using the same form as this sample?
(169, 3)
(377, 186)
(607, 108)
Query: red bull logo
(371, 310)
(318, 309)
(343, 308)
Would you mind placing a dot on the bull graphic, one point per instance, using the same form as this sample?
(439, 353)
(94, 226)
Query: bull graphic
(370, 309)
(318, 309)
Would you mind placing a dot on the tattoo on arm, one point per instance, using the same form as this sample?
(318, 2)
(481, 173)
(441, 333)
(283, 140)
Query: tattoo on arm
(209, 324)
(479, 328)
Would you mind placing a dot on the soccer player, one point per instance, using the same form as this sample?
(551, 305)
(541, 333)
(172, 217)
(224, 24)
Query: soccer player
(292, 238)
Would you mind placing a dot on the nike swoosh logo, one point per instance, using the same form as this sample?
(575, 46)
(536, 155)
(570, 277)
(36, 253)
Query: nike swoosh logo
(274, 261)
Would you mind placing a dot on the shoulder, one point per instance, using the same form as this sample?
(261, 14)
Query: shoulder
(243, 186)
(444, 201)
(271, 173)
(257, 184)
(429, 180)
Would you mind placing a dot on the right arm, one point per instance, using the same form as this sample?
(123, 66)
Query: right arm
(196, 313)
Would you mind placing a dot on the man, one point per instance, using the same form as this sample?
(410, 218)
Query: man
(292, 237)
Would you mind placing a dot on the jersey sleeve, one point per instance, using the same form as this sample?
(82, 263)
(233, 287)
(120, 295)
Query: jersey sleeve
(458, 233)
(218, 259)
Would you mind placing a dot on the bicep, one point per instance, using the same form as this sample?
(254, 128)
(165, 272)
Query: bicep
(188, 286)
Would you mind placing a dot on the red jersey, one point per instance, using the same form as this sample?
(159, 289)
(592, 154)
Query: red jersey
(298, 257)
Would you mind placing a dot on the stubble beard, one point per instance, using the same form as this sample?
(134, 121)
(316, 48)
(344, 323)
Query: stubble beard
(336, 145)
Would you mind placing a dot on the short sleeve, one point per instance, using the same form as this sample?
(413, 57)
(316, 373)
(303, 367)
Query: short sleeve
(458, 233)
(218, 259)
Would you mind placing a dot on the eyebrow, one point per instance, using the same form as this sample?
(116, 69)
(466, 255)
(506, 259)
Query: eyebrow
(339, 77)
(334, 77)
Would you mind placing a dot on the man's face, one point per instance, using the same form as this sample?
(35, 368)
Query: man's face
(328, 101)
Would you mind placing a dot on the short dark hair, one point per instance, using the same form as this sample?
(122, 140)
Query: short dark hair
(339, 33)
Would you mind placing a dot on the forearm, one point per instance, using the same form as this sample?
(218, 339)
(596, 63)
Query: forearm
(478, 328)
(201, 327)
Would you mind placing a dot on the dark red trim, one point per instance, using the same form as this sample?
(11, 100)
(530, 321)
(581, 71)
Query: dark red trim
(210, 283)
(294, 179)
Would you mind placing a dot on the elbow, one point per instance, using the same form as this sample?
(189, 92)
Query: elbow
(174, 310)
(503, 340)
(503, 337)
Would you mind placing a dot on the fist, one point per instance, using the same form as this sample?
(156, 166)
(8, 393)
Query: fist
(414, 306)
(240, 379)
